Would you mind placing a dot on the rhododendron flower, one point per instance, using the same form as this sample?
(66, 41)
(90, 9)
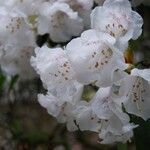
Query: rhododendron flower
(17, 43)
(62, 108)
(105, 116)
(60, 21)
(53, 66)
(117, 19)
(135, 93)
(83, 7)
(92, 55)
(58, 76)
(95, 59)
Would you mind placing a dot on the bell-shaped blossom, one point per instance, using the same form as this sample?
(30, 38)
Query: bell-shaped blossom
(103, 104)
(115, 123)
(117, 19)
(104, 116)
(28, 9)
(60, 21)
(56, 73)
(107, 137)
(11, 24)
(101, 108)
(93, 55)
(53, 66)
(58, 76)
(61, 108)
(85, 117)
(135, 92)
(17, 43)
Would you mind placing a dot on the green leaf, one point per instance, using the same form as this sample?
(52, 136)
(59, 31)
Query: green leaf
(16, 128)
(14, 79)
(2, 81)
(142, 134)
(36, 137)
(122, 146)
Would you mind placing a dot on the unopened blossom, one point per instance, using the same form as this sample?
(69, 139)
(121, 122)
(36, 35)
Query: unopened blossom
(119, 20)
(135, 93)
(60, 21)
(93, 56)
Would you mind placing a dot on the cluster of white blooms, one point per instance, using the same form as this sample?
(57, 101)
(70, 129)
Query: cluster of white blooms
(96, 58)
(22, 20)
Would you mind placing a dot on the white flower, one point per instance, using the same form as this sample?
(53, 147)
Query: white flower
(17, 44)
(83, 7)
(117, 19)
(104, 116)
(85, 118)
(100, 109)
(11, 24)
(8, 3)
(53, 67)
(135, 93)
(61, 110)
(115, 121)
(15, 60)
(93, 55)
(145, 74)
(59, 79)
(109, 138)
(26, 7)
(104, 106)
(60, 21)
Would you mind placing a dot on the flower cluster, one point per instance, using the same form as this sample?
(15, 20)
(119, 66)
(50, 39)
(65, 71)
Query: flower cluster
(22, 20)
(96, 58)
